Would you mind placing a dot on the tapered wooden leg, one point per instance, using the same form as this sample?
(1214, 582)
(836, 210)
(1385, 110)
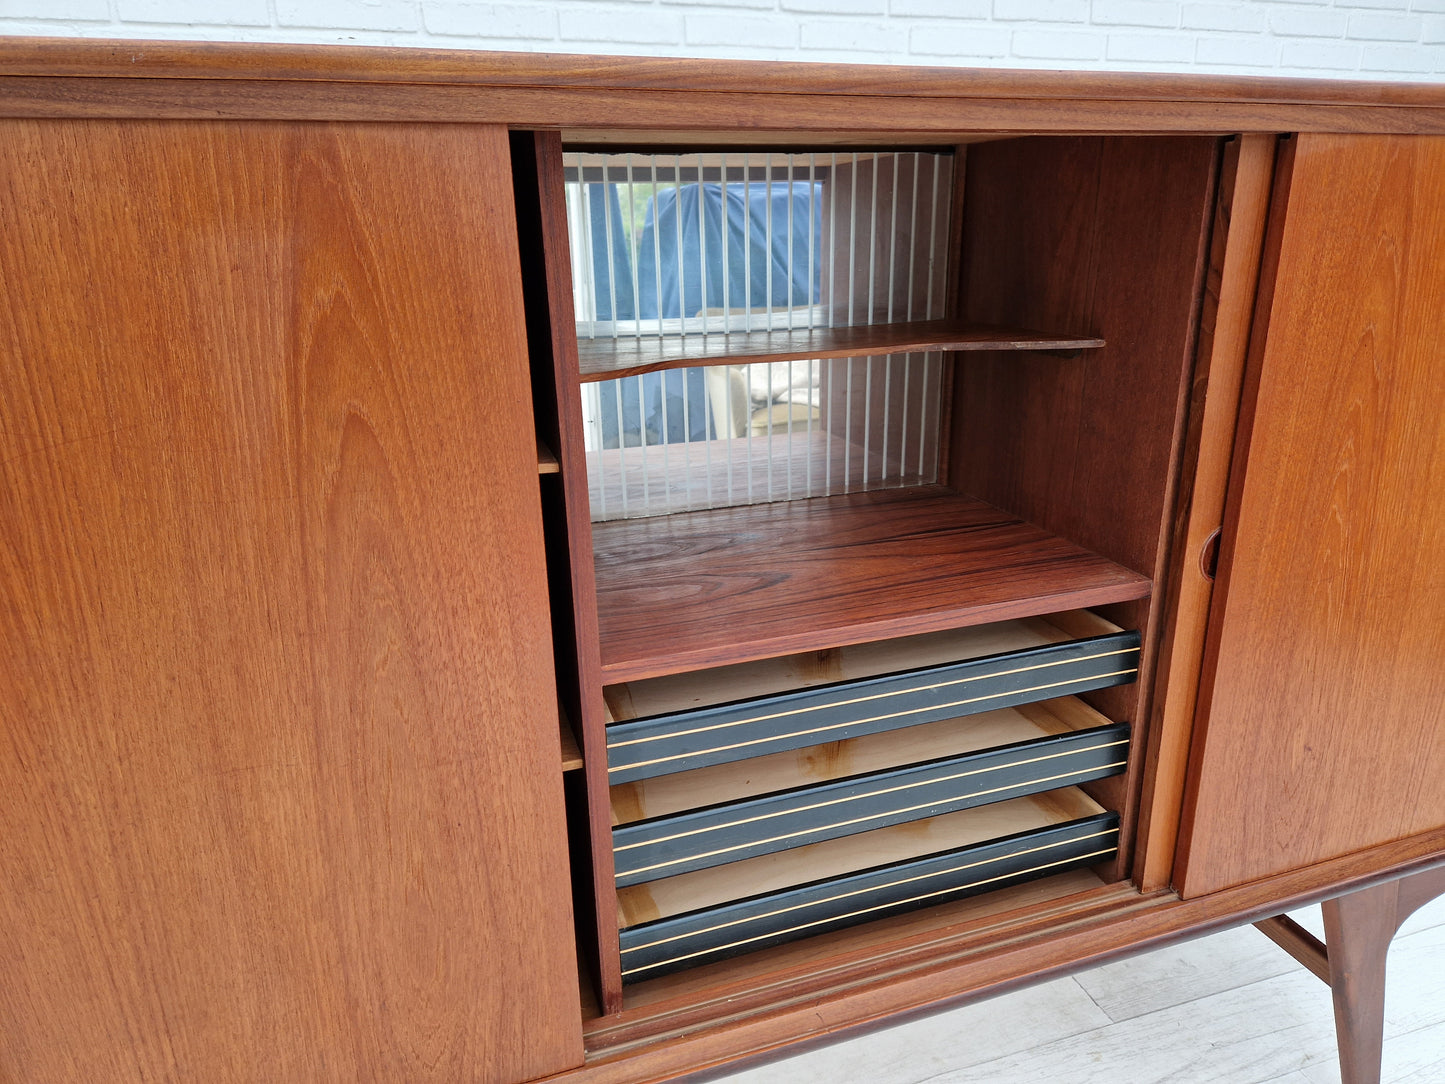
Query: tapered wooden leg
(1358, 930)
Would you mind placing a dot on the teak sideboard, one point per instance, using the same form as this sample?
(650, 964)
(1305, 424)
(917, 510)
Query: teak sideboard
(332, 722)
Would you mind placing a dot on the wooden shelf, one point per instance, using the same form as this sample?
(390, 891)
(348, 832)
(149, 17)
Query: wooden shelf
(546, 461)
(727, 585)
(606, 359)
(571, 751)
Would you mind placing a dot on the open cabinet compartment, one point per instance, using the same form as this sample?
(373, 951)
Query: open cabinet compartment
(1056, 449)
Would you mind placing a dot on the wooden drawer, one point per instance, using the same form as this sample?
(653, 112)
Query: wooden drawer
(728, 832)
(699, 920)
(939, 767)
(721, 733)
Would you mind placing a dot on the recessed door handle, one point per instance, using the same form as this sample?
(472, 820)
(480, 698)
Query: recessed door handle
(1209, 555)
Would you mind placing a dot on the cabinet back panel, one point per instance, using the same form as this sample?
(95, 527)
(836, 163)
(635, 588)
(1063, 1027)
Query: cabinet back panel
(282, 793)
(1324, 702)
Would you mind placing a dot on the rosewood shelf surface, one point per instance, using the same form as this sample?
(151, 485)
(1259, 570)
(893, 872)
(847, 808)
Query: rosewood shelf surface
(606, 359)
(727, 585)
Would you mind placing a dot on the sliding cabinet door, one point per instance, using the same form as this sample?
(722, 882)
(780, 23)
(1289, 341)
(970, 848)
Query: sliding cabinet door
(280, 796)
(1324, 692)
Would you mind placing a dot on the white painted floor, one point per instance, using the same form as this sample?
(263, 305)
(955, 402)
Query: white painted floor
(1227, 1009)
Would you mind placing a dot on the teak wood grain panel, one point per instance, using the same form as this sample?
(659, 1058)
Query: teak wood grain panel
(745, 113)
(26, 55)
(282, 798)
(1324, 688)
(202, 80)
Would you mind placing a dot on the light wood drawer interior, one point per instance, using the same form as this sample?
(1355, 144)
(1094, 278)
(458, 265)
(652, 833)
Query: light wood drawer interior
(715, 913)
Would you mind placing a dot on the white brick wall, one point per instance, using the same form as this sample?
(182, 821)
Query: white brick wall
(1375, 39)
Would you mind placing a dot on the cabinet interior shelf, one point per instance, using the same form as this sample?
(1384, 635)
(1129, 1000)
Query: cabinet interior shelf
(609, 358)
(703, 589)
(571, 751)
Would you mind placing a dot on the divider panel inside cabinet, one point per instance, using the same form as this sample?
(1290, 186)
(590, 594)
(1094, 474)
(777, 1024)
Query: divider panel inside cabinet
(539, 191)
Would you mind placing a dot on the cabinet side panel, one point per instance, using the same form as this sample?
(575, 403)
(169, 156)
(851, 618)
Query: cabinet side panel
(279, 748)
(1325, 680)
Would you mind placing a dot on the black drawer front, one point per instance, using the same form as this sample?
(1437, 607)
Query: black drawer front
(674, 944)
(699, 838)
(679, 742)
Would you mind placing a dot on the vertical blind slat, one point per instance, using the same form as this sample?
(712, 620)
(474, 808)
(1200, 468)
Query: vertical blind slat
(794, 429)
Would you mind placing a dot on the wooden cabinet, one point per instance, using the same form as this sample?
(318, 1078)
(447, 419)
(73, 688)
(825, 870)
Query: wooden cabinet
(288, 610)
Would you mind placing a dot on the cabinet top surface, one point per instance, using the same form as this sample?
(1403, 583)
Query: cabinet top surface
(598, 96)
